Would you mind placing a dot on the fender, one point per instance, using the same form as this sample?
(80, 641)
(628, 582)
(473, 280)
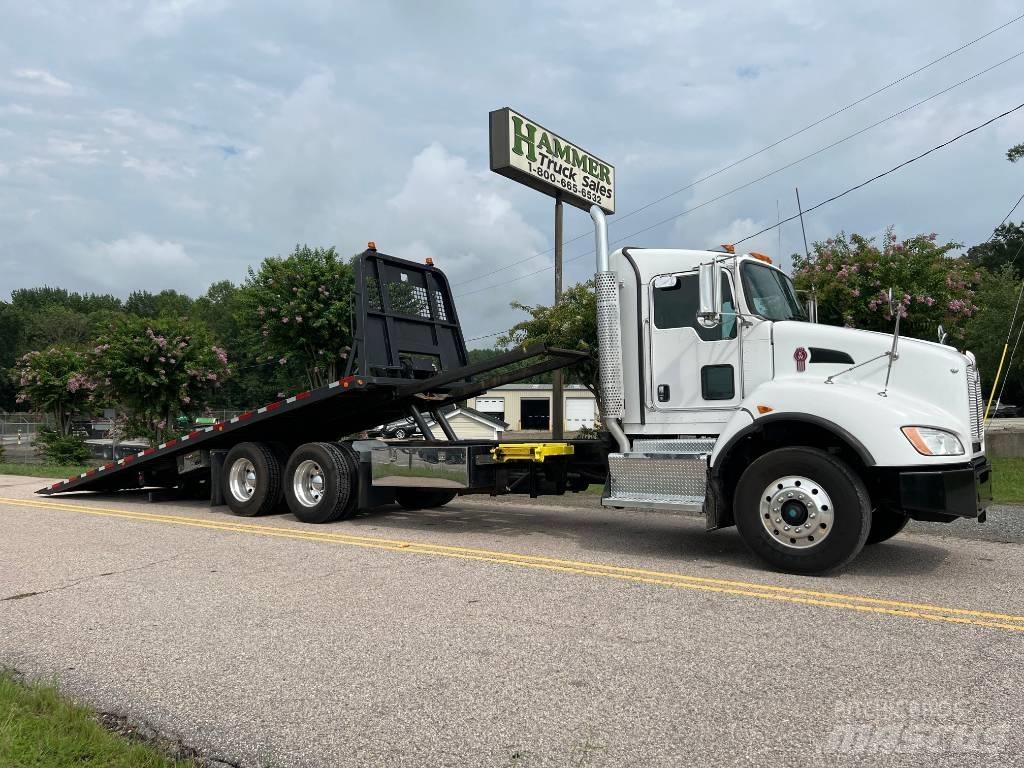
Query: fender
(722, 450)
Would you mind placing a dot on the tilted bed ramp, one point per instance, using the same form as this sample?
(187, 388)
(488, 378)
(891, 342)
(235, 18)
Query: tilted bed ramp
(408, 354)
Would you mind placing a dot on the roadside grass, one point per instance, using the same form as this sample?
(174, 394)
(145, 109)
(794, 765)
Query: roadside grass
(41, 470)
(1008, 480)
(40, 729)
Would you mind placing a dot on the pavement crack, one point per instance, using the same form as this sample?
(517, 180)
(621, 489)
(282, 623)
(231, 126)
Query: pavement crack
(91, 577)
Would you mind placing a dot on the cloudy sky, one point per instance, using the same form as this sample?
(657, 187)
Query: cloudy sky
(147, 144)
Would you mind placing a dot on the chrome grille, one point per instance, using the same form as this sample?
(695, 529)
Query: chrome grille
(975, 403)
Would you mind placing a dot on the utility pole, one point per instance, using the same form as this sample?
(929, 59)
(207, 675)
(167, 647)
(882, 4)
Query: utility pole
(557, 398)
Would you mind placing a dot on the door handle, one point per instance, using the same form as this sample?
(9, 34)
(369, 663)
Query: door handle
(663, 393)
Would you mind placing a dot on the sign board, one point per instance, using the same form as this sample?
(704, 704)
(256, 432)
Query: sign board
(532, 155)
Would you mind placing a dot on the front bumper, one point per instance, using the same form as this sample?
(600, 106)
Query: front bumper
(961, 491)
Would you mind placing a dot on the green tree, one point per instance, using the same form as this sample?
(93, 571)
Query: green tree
(54, 381)
(300, 308)
(167, 303)
(986, 333)
(852, 277)
(11, 328)
(258, 376)
(1015, 153)
(154, 369)
(1004, 249)
(569, 324)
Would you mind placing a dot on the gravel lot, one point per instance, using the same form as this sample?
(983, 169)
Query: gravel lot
(498, 633)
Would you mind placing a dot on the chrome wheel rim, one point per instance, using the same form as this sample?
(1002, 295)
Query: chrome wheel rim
(796, 512)
(242, 480)
(308, 483)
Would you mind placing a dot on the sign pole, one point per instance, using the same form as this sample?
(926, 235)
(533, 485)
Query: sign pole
(557, 397)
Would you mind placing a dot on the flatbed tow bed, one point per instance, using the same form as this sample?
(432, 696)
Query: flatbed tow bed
(413, 344)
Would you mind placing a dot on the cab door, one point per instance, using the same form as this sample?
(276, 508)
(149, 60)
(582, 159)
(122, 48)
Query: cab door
(692, 367)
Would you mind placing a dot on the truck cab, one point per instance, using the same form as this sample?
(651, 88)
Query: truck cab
(812, 439)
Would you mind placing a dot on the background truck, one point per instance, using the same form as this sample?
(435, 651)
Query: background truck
(719, 397)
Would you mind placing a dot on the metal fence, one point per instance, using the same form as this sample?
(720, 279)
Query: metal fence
(23, 425)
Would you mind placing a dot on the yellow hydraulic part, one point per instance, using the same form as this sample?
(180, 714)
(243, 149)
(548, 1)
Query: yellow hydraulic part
(529, 451)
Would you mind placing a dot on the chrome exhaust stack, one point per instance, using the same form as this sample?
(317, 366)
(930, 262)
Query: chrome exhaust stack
(609, 335)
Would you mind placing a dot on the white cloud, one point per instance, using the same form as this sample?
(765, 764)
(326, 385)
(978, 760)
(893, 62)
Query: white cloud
(39, 81)
(73, 151)
(154, 264)
(155, 170)
(163, 18)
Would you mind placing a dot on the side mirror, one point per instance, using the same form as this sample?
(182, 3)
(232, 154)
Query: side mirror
(710, 289)
(942, 334)
(666, 282)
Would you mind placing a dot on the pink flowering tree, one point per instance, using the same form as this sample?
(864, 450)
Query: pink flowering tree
(54, 381)
(852, 276)
(154, 369)
(299, 308)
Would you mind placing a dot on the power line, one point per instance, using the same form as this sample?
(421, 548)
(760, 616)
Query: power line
(886, 173)
(759, 179)
(764, 149)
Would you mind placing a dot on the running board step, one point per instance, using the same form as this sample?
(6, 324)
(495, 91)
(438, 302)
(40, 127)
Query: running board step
(656, 480)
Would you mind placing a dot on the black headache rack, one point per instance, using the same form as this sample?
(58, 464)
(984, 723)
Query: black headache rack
(408, 357)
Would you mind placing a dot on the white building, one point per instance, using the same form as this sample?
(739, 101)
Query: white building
(527, 407)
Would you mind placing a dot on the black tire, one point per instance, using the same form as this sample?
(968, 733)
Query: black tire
(417, 498)
(885, 524)
(338, 492)
(264, 479)
(400, 434)
(820, 546)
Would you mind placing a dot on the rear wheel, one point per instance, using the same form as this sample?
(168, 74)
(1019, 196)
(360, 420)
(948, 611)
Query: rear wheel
(321, 482)
(414, 498)
(251, 480)
(885, 524)
(802, 510)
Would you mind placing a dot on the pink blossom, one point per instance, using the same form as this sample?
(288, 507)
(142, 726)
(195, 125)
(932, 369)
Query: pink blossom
(855, 292)
(283, 360)
(284, 319)
(186, 399)
(828, 267)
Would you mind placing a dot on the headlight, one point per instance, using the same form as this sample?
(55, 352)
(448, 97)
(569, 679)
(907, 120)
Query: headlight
(930, 441)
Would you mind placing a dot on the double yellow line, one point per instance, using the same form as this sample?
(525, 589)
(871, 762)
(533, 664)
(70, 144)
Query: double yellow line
(857, 603)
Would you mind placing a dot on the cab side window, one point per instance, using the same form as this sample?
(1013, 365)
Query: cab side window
(676, 307)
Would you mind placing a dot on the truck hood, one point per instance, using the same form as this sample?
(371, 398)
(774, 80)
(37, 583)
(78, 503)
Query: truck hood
(928, 383)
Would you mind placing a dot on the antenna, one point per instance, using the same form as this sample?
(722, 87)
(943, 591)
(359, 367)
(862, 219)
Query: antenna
(893, 354)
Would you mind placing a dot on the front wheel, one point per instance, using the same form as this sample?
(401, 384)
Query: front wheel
(802, 510)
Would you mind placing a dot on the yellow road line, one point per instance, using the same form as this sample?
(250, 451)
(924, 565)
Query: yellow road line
(796, 595)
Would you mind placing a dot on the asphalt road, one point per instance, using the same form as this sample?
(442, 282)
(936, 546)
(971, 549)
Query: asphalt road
(514, 634)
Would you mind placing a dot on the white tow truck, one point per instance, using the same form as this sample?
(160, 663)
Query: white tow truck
(813, 440)
(719, 398)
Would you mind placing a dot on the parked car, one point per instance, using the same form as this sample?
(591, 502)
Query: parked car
(1005, 411)
(396, 430)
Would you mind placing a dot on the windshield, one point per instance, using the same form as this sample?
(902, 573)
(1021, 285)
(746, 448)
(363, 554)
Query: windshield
(770, 293)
